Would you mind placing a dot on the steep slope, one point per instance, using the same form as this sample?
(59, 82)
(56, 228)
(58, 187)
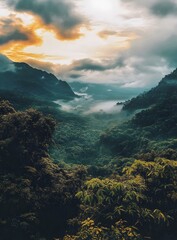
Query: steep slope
(33, 83)
(154, 128)
(166, 89)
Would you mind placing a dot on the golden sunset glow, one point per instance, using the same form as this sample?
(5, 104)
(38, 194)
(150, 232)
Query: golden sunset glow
(65, 51)
(59, 32)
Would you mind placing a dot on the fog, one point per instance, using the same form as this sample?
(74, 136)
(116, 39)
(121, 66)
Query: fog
(96, 99)
(86, 105)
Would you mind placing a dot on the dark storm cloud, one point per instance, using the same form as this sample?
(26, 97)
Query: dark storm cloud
(6, 64)
(10, 31)
(14, 35)
(13, 31)
(59, 14)
(167, 49)
(78, 69)
(91, 65)
(88, 65)
(75, 76)
(163, 9)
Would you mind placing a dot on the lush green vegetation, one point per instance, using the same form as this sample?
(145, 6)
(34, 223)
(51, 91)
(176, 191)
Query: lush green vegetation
(139, 204)
(166, 89)
(71, 177)
(118, 198)
(37, 197)
(35, 84)
(152, 129)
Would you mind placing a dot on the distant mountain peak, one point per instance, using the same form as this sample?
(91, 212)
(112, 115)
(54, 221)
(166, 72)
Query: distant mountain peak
(34, 83)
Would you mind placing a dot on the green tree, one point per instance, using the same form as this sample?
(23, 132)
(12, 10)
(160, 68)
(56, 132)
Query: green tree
(37, 198)
(143, 198)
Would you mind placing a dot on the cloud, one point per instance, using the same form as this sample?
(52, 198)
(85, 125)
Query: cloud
(168, 50)
(147, 60)
(78, 69)
(107, 33)
(157, 47)
(92, 65)
(88, 65)
(13, 30)
(6, 64)
(159, 8)
(59, 15)
(75, 76)
(136, 51)
(15, 36)
(119, 34)
(46, 66)
(164, 8)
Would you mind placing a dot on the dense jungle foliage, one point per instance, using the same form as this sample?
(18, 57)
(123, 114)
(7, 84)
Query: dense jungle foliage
(126, 189)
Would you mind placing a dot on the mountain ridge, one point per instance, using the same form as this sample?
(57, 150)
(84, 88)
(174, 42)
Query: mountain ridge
(166, 88)
(34, 83)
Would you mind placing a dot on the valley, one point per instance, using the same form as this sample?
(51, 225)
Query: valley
(88, 120)
(114, 156)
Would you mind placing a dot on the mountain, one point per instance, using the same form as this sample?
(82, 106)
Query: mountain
(101, 91)
(153, 127)
(166, 89)
(31, 83)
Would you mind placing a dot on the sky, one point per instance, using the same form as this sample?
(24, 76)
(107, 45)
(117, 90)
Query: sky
(132, 43)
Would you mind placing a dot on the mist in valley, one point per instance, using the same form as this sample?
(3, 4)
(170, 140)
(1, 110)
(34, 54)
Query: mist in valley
(89, 116)
(98, 99)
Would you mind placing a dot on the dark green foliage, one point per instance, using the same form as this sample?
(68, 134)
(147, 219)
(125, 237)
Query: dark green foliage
(5, 107)
(24, 136)
(159, 120)
(165, 90)
(28, 82)
(152, 128)
(76, 141)
(21, 102)
(144, 198)
(124, 140)
(121, 199)
(37, 198)
(38, 203)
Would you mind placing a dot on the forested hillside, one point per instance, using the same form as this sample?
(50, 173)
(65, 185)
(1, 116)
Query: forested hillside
(37, 197)
(125, 190)
(167, 88)
(152, 129)
(26, 85)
